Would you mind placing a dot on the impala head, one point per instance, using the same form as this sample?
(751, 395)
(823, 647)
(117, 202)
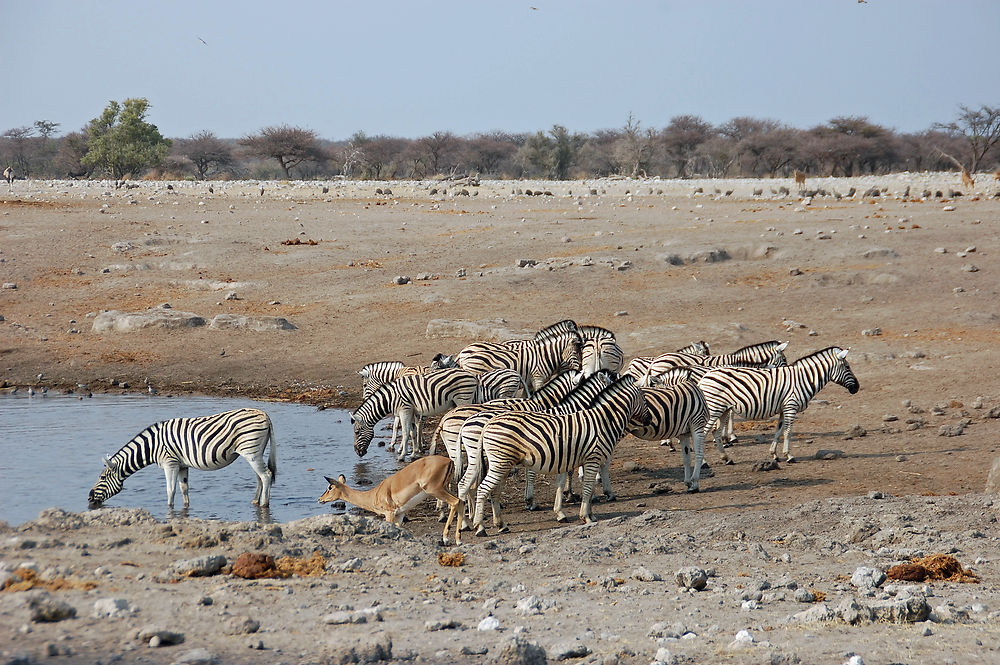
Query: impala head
(335, 491)
(108, 484)
(363, 436)
(842, 373)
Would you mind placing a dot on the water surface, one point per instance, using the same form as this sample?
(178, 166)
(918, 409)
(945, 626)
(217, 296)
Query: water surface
(52, 450)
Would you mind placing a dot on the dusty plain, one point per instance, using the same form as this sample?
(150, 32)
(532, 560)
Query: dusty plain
(908, 284)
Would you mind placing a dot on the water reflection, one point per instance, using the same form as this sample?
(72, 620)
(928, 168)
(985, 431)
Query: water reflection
(51, 453)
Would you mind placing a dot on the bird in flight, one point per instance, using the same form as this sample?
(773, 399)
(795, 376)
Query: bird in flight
(202, 40)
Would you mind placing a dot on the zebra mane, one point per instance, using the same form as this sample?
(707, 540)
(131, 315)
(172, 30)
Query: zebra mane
(596, 332)
(564, 327)
(828, 351)
(382, 364)
(586, 387)
(612, 391)
(759, 345)
(699, 348)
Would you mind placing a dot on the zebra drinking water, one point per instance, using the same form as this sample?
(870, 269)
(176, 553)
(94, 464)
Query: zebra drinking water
(761, 393)
(410, 396)
(206, 443)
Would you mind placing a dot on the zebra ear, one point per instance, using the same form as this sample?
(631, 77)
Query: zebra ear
(107, 461)
(842, 353)
(782, 346)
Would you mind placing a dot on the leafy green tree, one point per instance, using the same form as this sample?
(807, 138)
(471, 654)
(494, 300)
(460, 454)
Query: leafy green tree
(121, 142)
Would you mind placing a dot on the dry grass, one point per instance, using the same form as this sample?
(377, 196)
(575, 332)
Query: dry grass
(28, 579)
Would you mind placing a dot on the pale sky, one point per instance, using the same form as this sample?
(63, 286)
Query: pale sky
(409, 68)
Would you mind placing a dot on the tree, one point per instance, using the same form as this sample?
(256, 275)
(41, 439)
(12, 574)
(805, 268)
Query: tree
(682, 137)
(634, 148)
(435, 146)
(290, 146)
(46, 128)
(120, 141)
(207, 153)
(18, 139)
(980, 128)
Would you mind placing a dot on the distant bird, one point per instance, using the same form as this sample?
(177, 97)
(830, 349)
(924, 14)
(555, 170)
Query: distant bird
(202, 40)
(151, 390)
(262, 191)
(31, 391)
(211, 190)
(536, 8)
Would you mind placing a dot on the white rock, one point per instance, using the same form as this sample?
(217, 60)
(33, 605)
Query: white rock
(489, 623)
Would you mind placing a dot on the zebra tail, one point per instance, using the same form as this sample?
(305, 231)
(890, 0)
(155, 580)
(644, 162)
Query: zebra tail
(272, 458)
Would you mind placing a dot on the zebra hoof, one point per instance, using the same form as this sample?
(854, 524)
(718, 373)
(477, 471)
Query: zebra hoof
(504, 529)
(442, 519)
(533, 506)
(608, 498)
(481, 532)
(790, 460)
(729, 462)
(693, 490)
(561, 518)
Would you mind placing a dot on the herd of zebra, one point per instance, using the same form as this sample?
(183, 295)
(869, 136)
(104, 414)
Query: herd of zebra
(578, 399)
(555, 403)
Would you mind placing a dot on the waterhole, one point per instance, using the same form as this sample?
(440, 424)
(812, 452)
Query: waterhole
(52, 450)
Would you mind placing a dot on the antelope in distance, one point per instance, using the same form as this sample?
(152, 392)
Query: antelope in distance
(800, 178)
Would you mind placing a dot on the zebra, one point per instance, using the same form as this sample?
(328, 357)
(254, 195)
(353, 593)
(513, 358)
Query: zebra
(499, 384)
(375, 374)
(600, 350)
(755, 354)
(761, 393)
(675, 409)
(470, 435)
(699, 348)
(553, 350)
(637, 366)
(205, 442)
(409, 396)
(549, 443)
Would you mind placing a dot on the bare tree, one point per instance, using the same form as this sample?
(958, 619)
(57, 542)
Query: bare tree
(17, 143)
(207, 153)
(289, 146)
(980, 128)
(436, 146)
(634, 149)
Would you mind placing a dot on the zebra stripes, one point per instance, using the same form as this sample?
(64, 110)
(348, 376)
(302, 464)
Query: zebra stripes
(761, 393)
(206, 443)
(553, 350)
(675, 410)
(600, 351)
(498, 384)
(755, 354)
(409, 396)
(554, 444)
(375, 374)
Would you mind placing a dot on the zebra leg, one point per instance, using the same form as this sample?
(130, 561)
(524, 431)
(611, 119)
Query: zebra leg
(497, 473)
(590, 471)
(529, 490)
(557, 507)
(170, 471)
(263, 497)
(712, 421)
(182, 475)
(788, 420)
(606, 481)
(698, 442)
(686, 457)
(669, 442)
(730, 431)
(405, 416)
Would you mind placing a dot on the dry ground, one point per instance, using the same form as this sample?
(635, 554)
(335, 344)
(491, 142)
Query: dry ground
(816, 273)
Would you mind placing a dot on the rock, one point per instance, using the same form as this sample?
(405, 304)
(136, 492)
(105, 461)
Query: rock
(871, 332)
(816, 613)
(401, 279)
(232, 296)
(251, 323)
(10, 285)
(804, 595)
(993, 479)
(969, 267)
(526, 263)
(867, 577)
(242, 626)
(161, 635)
(954, 430)
(365, 615)
(202, 566)
(905, 610)
(114, 608)
(488, 330)
(766, 465)
(520, 651)
(449, 624)
(196, 657)
(369, 649)
(166, 319)
(529, 606)
(742, 640)
(489, 623)
(42, 608)
(645, 575)
(692, 578)
(945, 613)
(567, 650)
(828, 454)
(855, 432)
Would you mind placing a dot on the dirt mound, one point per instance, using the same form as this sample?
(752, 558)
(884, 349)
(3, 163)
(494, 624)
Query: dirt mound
(256, 565)
(26, 579)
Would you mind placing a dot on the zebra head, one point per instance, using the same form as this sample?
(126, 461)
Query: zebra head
(842, 373)
(108, 483)
(363, 435)
(441, 360)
